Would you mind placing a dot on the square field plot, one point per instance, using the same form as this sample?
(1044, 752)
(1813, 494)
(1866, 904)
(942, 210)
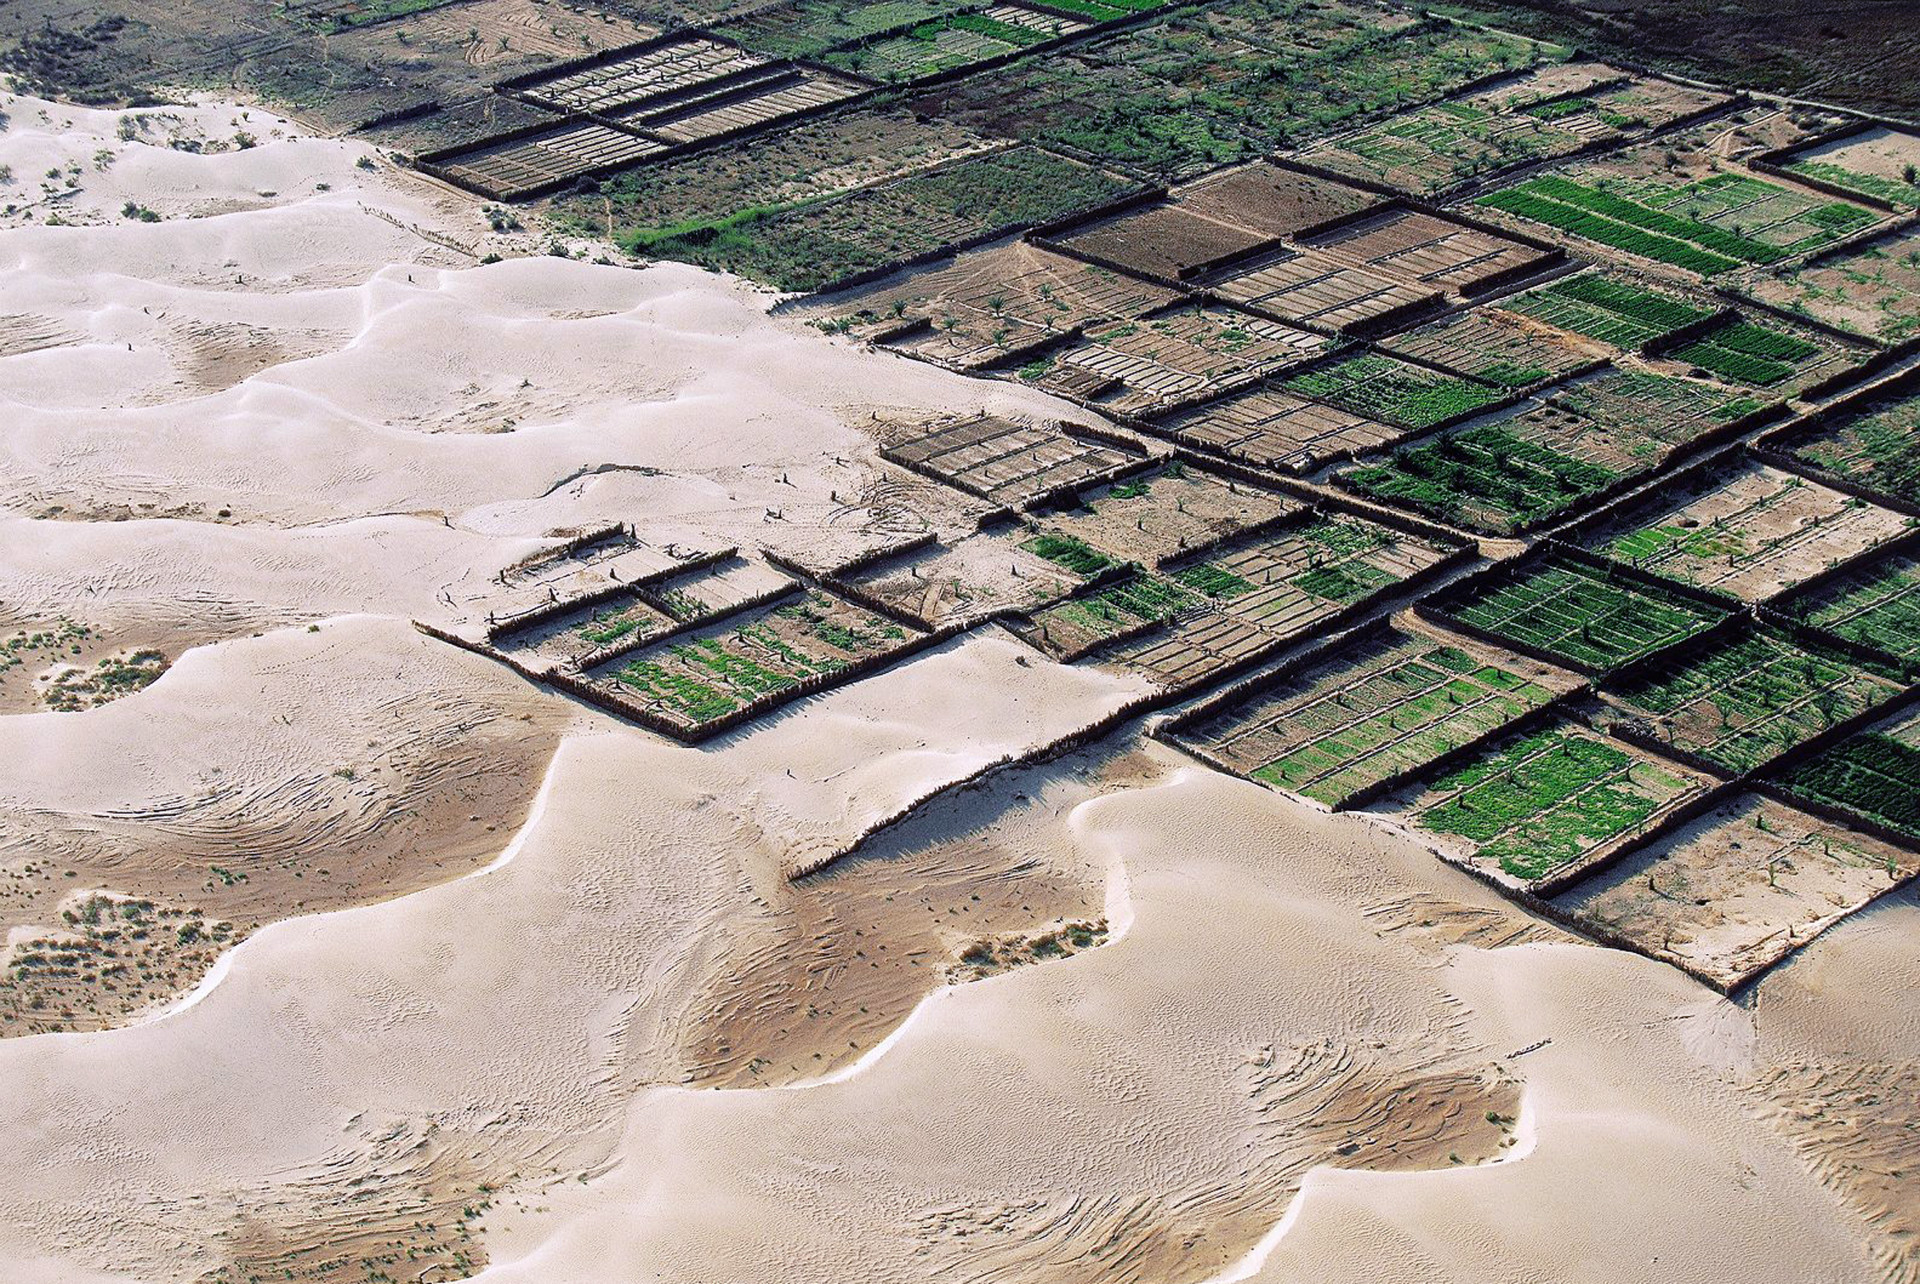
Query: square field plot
(1739, 702)
(1153, 362)
(1623, 314)
(805, 28)
(1002, 460)
(1708, 226)
(650, 73)
(1310, 288)
(1392, 391)
(1732, 893)
(1161, 515)
(738, 105)
(1162, 242)
(1545, 804)
(1875, 774)
(956, 40)
(1876, 605)
(700, 677)
(1782, 358)
(965, 579)
(1590, 618)
(1388, 705)
(523, 166)
(1268, 427)
(1431, 252)
(1752, 530)
(1876, 162)
(978, 308)
(1876, 445)
(1870, 289)
(1508, 349)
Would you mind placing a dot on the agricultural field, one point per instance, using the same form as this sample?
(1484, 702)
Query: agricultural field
(1272, 199)
(1269, 427)
(1626, 315)
(953, 41)
(1871, 289)
(1876, 605)
(1245, 78)
(683, 195)
(1708, 227)
(525, 166)
(1489, 343)
(1877, 162)
(1877, 446)
(1162, 242)
(815, 244)
(711, 672)
(1157, 516)
(567, 640)
(1428, 251)
(806, 28)
(1587, 617)
(1068, 630)
(1388, 705)
(1391, 391)
(742, 104)
(977, 308)
(652, 72)
(1781, 358)
(1546, 803)
(1269, 590)
(1731, 893)
(1875, 774)
(1752, 531)
(713, 590)
(1011, 569)
(1741, 701)
(1305, 287)
(1002, 460)
(1148, 363)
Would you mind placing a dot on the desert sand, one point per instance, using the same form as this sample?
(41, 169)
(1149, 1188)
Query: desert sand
(487, 983)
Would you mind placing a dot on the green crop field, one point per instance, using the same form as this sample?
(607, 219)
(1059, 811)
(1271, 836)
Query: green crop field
(1071, 627)
(1397, 704)
(1876, 606)
(1873, 774)
(1879, 449)
(1748, 353)
(1383, 388)
(1484, 477)
(1549, 799)
(1746, 700)
(1580, 614)
(1626, 316)
(1895, 191)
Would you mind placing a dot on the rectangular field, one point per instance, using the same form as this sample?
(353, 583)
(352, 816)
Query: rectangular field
(1158, 516)
(1268, 427)
(1877, 446)
(805, 28)
(967, 578)
(1876, 605)
(1877, 162)
(1003, 460)
(1775, 355)
(739, 105)
(1871, 289)
(705, 675)
(1752, 531)
(653, 72)
(1733, 892)
(1392, 391)
(1623, 314)
(1148, 363)
(1508, 349)
(956, 40)
(1309, 288)
(1583, 616)
(1875, 774)
(1744, 700)
(1389, 705)
(518, 167)
(1428, 251)
(1547, 802)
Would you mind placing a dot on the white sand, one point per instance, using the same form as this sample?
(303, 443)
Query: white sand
(1141, 1111)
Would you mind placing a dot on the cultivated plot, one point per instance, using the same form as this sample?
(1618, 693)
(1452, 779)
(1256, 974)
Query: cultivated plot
(1160, 515)
(1752, 530)
(1870, 289)
(1003, 460)
(1782, 358)
(1510, 349)
(1387, 705)
(1875, 774)
(956, 40)
(1269, 427)
(1733, 892)
(805, 28)
(1876, 604)
(1430, 251)
(737, 104)
(651, 72)
(1011, 569)
(1143, 364)
(1307, 287)
(1623, 314)
(1547, 803)
(1590, 617)
(1739, 702)
(1876, 446)
(1877, 162)
(530, 163)
(1393, 391)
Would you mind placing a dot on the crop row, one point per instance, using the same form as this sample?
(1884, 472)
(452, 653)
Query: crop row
(1484, 476)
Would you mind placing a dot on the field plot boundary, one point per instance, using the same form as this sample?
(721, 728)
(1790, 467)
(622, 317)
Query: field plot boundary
(1774, 161)
(1782, 608)
(1777, 445)
(535, 616)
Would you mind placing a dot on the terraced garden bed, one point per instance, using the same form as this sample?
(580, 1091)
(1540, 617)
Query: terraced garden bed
(1752, 531)
(1306, 287)
(1380, 387)
(708, 674)
(1744, 700)
(1877, 447)
(1003, 460)
(1875, 774)
(1581, 615)
(1429, 251)
(1737, 890)
(1876, 605)
(1548, 802)
(1392, 704)
(1268, 427)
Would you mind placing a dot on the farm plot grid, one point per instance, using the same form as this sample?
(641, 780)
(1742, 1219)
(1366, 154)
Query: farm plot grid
(1161, 242)
(1547, 803)
(1876, 447)
(1389, 705)
(1500, 347)
(1732, 893)
(1429, 251)
(981, 574)
(1626, 315)
(1739, 702)
(1268, 427)
(1002, 460)
(1876, 605)
(808, 27)
(1309, 288)
(1147, 363)
(1784, 359)
(647, 74)
(953, 41)
(738, 106)
(1591, 618)
(1875, 774)
(1752, 531)
(705, 675)
(979, 307)
(1871, 290)
(1877, 162)
(527, 164)
(1392, 391)
(1160, 515)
